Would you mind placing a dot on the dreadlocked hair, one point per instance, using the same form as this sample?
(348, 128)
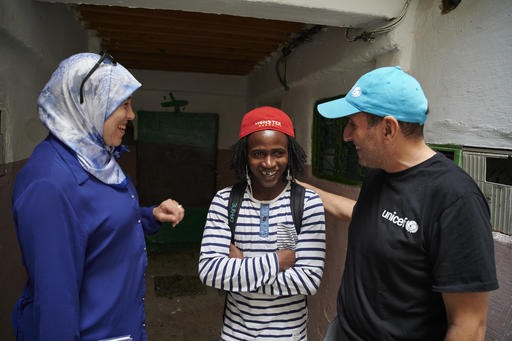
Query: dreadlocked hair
(239, 156)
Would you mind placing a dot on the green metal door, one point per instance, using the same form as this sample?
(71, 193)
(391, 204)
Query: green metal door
(177, 158)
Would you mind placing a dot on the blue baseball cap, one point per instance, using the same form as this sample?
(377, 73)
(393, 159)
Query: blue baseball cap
(386, 91)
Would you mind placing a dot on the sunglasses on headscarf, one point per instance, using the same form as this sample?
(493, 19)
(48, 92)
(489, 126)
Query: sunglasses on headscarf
(104, 55)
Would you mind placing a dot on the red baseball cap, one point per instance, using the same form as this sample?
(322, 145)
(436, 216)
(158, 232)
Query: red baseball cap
(266, 118)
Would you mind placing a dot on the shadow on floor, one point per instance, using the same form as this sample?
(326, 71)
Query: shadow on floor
(178, 306)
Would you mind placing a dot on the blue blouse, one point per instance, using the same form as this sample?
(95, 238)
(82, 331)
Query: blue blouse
(83, 248)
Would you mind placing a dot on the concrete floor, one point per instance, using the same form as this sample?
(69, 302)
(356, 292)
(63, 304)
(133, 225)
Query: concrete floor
(186, 311)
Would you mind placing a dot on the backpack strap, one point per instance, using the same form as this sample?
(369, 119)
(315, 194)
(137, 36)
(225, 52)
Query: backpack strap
(235, 201)
(297, 203)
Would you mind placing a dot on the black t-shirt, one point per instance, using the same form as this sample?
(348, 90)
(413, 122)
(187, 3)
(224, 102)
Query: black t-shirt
(414, 235)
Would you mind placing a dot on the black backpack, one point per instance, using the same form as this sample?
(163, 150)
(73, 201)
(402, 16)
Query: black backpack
(237, 194)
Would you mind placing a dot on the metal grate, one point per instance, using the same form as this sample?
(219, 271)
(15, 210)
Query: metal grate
(498, 194)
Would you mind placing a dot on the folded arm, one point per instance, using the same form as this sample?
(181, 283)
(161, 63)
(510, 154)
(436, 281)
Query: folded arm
(218, 270)
(303, 278)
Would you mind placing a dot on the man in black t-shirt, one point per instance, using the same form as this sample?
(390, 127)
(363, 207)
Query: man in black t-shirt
(420, 257)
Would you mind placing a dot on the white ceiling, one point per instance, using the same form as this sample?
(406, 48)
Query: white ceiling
(340, 13)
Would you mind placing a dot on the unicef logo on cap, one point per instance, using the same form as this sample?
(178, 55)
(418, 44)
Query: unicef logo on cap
(356, 92)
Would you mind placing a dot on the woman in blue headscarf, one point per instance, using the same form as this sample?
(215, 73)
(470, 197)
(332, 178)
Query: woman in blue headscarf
(77, 216)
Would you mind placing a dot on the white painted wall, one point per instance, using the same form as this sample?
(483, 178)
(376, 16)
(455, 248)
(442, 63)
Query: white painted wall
(462, 59)
(325, 67)
(220, 94)
(34, 37)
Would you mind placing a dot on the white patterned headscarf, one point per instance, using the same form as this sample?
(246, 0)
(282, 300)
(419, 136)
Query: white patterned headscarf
(80, 125)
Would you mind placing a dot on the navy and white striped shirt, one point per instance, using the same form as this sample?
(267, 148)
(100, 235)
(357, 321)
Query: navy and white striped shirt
(263, 303)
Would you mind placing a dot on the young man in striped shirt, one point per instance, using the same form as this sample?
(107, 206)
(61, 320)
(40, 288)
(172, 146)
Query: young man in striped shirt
(268, 269)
